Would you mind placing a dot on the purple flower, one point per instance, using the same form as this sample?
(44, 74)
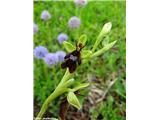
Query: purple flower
(45, 15)
(35, 28)
(74, 22)
(80, 2)
(51, 59)
(40, 52)
(60, 55)
(62, 37)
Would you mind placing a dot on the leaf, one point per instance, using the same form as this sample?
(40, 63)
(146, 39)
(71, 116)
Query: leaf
(104, 49)
(82, 39)
(73, 100)
(86, 53)
(68, 46)
(80, 86)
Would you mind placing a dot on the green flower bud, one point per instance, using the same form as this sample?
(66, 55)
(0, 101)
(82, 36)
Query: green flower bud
(73, 100)
(105, 30)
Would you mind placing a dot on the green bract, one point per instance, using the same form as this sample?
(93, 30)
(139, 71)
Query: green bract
(82, 39)
(80, 86)
(73, 100)
(86, 53)
(104, 49)
(69, 82)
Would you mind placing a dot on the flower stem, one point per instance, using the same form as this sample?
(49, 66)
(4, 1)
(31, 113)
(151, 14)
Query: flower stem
(60, 89)
(45, 105)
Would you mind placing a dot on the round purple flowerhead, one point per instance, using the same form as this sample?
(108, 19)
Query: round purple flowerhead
(35, 28)
(51, 59)
(60, 55)
(74, 22)
(40, 52)
(62, 37)
(45, 15)
(80, 2)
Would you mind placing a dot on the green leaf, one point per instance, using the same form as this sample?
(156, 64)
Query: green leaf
(73, 100)
(80, 86)
(104, 49)
(86, 53)
(68, 46)
(82, 39)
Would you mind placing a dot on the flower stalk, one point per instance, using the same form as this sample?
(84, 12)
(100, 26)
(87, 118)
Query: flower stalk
(60, 89)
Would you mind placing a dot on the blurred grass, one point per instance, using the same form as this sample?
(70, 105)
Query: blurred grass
(93, 17)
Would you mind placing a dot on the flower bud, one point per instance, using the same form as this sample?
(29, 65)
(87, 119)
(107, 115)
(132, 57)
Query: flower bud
(73, 100)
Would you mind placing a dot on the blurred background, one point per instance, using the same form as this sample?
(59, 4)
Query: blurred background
(105, 99)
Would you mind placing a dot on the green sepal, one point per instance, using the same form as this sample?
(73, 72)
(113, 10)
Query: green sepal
(68, 46)
(73, 100)
(82, 39)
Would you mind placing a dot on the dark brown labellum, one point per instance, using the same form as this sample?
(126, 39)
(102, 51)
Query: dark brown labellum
(72, 59)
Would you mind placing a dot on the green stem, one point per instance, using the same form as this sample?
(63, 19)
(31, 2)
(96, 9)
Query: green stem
(45, 105)
(61, 88)
(66, 76)
(98, 40)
